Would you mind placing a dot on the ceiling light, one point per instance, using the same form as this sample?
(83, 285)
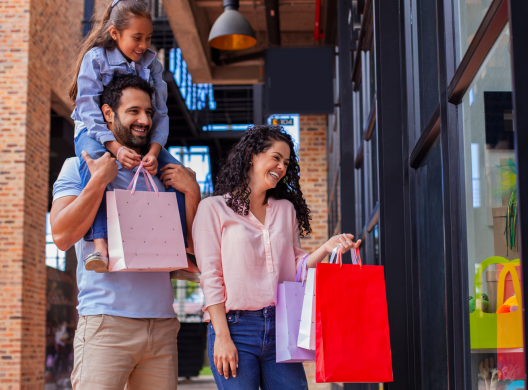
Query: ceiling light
(231, 31)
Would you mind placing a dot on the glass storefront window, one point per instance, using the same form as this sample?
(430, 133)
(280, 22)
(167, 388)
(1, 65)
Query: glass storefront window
(425, 63)
(470, 15)
(493, 260)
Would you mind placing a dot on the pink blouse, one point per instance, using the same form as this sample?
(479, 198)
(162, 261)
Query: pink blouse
(242, 260)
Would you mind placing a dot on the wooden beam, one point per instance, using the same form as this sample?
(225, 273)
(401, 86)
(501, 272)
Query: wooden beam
(191, 29)
(236, 75)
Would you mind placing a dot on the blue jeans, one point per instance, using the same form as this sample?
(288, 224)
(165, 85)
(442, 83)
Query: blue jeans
(96, 150)
(253, 333)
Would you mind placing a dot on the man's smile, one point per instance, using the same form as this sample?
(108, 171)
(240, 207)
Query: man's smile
(139, 130)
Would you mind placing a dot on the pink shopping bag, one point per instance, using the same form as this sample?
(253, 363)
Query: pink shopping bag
(144, 229)
(288, 309)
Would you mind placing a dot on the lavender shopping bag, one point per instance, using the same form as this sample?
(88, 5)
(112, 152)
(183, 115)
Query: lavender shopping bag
(144, 229)
(290, 297)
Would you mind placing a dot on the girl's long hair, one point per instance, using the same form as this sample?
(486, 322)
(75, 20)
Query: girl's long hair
(233, 178)
(118, 16)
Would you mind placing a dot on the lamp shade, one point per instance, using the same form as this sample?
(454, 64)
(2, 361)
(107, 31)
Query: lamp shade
(232, 31)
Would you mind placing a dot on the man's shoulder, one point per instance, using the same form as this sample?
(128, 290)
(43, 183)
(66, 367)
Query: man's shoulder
(70, 167)
(69, 180)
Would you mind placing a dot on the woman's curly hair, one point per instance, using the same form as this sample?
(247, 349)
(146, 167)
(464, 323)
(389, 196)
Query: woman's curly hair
(233, 178)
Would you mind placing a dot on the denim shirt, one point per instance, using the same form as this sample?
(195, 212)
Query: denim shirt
(97, 70)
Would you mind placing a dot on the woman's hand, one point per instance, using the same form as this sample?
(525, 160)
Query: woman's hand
(225, 356)
(343, 240)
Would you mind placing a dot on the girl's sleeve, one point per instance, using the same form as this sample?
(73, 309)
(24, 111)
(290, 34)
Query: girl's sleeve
(297, 250)
(89, 90)
(160, 119)
(207, 237)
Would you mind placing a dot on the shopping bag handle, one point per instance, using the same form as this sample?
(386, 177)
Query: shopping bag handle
(146, 175)
(355, 254)
(337, 255)
(301, 270)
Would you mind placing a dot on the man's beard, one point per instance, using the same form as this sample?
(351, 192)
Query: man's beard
(126, 136)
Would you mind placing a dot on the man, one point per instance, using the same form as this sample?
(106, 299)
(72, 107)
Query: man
(127, 327)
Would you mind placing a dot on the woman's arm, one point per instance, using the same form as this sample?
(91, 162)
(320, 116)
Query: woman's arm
(225, 352)
(207, 231)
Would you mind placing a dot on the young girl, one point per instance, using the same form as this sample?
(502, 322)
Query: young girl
(118, 44)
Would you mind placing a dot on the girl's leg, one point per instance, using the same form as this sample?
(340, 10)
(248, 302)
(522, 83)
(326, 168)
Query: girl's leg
(92, 147)
(98, 231)
(165, 158)
(279, 376)
(246, 338)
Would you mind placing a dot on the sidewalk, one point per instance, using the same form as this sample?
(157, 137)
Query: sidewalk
(200, 383)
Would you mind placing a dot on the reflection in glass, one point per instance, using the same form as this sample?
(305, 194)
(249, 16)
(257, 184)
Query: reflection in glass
(493, 260)
(425, 63)
(470, 15)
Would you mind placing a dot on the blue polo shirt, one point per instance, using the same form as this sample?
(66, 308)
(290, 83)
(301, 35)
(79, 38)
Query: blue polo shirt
(123, 294)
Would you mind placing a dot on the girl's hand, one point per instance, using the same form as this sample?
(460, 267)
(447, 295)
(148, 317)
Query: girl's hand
(151, 164)
(225, 356)
(129, 159)
(345, 240)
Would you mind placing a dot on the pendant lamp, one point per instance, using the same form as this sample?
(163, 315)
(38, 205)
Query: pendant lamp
(231, 31)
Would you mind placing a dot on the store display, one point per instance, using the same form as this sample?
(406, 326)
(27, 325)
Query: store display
(515, 385)
(488, 373)
(497, 330)
(505, 217)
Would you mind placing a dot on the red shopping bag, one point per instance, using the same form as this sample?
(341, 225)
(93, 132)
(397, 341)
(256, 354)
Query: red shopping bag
(352, 325)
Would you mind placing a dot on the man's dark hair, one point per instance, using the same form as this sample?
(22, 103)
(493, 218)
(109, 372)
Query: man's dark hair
(114, 90)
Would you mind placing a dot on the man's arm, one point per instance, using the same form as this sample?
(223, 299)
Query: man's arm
(184, 180)
(72, 216)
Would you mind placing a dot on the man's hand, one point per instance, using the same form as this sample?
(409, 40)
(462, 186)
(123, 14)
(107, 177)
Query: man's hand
(181, 179)
(129, 159)
(150, 164)
(103, 169)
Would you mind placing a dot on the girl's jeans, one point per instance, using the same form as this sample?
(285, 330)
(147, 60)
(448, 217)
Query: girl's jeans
(96, 150)
(253, 333)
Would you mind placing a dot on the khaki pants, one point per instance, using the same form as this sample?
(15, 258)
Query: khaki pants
(113, 352)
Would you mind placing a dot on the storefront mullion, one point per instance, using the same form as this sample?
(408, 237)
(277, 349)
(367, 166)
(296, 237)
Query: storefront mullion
(347, 146)
(455, 234)
(519, 60)
(394, 224)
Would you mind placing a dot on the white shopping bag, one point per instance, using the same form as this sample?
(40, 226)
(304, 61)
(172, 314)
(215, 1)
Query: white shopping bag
(307, 327)
(306, 337)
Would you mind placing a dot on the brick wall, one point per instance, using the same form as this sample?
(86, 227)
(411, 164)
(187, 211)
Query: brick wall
(312, 157)
(37, 42)
(313, 162)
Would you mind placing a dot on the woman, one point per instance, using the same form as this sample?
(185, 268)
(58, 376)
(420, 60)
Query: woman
(246, 240)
